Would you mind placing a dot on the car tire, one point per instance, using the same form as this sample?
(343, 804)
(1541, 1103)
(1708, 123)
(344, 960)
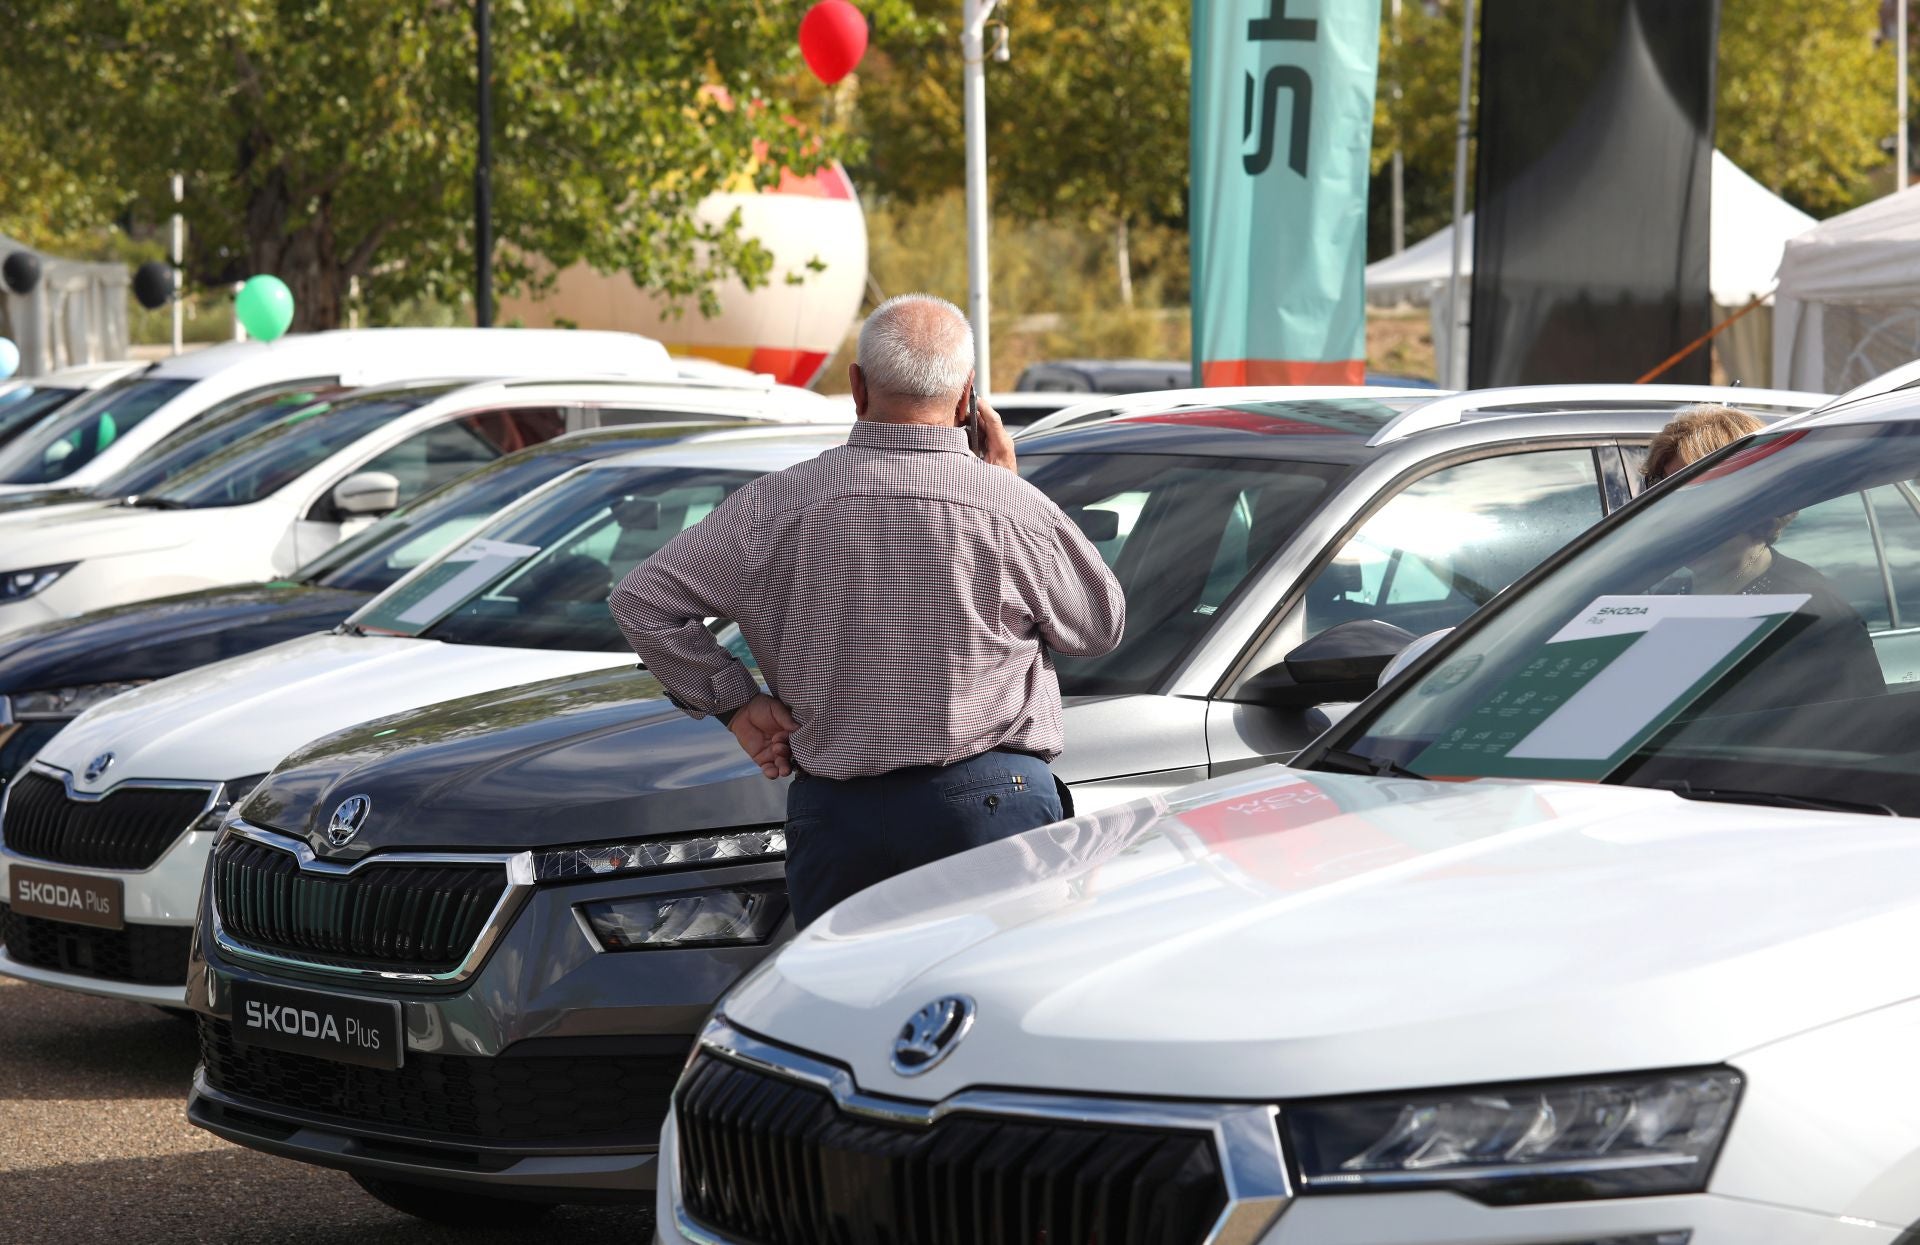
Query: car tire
(453, 1210)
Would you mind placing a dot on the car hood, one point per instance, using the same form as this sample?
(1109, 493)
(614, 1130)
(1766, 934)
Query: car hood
(593, 756)
(1293, 935)
(64, 501)
(73, 534)
(587, 758)
(240, 717)
(161, 637)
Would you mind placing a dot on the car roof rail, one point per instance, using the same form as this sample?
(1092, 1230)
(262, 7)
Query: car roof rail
(1098, 406)
(1458, 408)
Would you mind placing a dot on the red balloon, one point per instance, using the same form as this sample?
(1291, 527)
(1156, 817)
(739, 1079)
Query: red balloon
(833, 38)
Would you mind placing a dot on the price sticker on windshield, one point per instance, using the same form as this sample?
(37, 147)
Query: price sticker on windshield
(433, 592)
(1605, 683)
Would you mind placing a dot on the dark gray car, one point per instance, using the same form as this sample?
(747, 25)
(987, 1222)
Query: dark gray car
(462, 952)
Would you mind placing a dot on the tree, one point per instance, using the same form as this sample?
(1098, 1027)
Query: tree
(1087, 120)
(329, 140)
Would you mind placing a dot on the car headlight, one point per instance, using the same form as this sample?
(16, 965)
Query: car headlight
(21, 584)
(1621, 1136)
(660, 855)
(731, 917)
(68, 702)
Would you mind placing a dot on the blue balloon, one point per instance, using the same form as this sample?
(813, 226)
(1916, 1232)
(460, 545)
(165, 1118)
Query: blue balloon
(9, 358)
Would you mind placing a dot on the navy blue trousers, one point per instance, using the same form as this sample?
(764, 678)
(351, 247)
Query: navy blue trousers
(844, 835)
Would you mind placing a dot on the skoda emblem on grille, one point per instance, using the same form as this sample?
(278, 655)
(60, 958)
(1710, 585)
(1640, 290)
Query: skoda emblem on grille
(347, 819)
(931, 1034)
(98, 766)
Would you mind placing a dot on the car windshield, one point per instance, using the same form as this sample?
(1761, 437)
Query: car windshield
(273, 457)
(539, 578)
(1182, 535)
(1751, 632)
(74, 436)
(194, 443)
(23, 404)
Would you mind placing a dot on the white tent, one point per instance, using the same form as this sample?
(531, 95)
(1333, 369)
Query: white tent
(77, 314)
(1749, 229)
(1849, 302)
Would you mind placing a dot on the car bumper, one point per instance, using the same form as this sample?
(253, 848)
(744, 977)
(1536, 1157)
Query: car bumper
(131, 992)
(1446, 1219)
(543, 993)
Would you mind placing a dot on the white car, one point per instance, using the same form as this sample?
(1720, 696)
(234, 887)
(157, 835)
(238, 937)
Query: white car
(91, 440)
(1593, 926)
(289, 491)
(152, 771)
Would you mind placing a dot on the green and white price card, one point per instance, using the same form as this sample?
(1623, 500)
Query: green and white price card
(1604, 684)
(430, 594)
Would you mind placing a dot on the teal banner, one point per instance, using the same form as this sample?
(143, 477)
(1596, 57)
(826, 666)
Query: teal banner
(1282, 137)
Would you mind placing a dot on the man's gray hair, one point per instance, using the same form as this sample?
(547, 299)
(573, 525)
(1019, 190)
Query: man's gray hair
(917, 346)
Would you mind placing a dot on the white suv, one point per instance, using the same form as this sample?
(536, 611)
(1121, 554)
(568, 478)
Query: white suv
(1594, 925)
(321, 471)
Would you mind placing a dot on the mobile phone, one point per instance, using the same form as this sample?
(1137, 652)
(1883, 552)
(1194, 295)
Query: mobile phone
(974, 440)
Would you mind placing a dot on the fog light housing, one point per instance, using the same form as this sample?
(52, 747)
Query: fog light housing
(728, 917)
(1622, 1136)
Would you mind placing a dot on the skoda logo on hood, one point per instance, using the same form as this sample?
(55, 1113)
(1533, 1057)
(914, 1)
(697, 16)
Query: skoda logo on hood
(347, 819)
(931, 1034)
(98, 766)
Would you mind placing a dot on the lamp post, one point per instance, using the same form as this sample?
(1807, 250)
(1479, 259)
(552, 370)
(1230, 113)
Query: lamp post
(1456, 370)
(973, 52)
(483, 173)
(1900, 98)
(179, 260)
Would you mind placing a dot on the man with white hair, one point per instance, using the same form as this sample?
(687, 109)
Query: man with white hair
(902, 596)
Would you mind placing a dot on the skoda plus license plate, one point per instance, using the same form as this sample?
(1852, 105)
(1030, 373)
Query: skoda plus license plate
(339, 1027)
(75, 898)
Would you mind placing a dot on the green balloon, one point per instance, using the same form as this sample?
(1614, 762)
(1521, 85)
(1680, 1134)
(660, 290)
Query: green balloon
(264, 306)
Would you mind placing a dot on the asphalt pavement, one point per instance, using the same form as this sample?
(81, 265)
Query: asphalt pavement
(95, 1146)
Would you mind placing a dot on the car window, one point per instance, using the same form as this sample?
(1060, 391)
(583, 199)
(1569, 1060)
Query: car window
(1182, 535)
(622, 416)
(21, 406)
(1897, 513)
(447, 451)
(208, 434)
(1444, 545)
(539, 578)
(74, 436)
(1836, 537)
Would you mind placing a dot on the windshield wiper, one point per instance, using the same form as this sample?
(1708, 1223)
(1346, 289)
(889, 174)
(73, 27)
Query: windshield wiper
(1769, 799)
(155, 503)
(1343, 762)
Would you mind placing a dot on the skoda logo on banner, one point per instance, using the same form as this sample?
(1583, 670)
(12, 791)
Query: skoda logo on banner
(98, 766)
(347, 819)
(931, 1034)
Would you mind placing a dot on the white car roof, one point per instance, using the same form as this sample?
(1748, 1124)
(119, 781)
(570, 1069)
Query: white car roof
(1883, 408)
(1105, 405)
(1455, 408)
(371, 356)
(749, 449)
(83, 375)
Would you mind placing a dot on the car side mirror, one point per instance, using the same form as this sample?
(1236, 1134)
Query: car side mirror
(367, 492)
(1342, 663)
(1098, 526)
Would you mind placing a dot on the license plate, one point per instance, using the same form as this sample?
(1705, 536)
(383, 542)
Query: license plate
(71, 897)
(340, 1027)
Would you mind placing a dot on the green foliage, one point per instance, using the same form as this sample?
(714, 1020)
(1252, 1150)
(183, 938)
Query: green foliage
(1086, 122)
(1806, 95)
(331, 139)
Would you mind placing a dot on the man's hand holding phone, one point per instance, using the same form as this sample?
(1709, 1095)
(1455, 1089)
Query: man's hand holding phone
(987, 435)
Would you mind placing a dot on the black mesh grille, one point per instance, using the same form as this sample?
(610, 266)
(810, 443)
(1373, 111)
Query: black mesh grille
(405, 918)
(545, 1098)
(129, 829)
(770, 1162)
(147, 955)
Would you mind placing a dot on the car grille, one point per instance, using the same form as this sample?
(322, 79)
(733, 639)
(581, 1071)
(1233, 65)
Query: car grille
(772, 1162)
(129, 829)
(537, 1098)
(148, 955)
(396, 917)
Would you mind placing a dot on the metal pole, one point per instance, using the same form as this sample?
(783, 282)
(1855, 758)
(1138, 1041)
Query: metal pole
(483, 174)
(1900, 95)
(1456, 377)
(1399, 162)
(974, 14)
(179, 259)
